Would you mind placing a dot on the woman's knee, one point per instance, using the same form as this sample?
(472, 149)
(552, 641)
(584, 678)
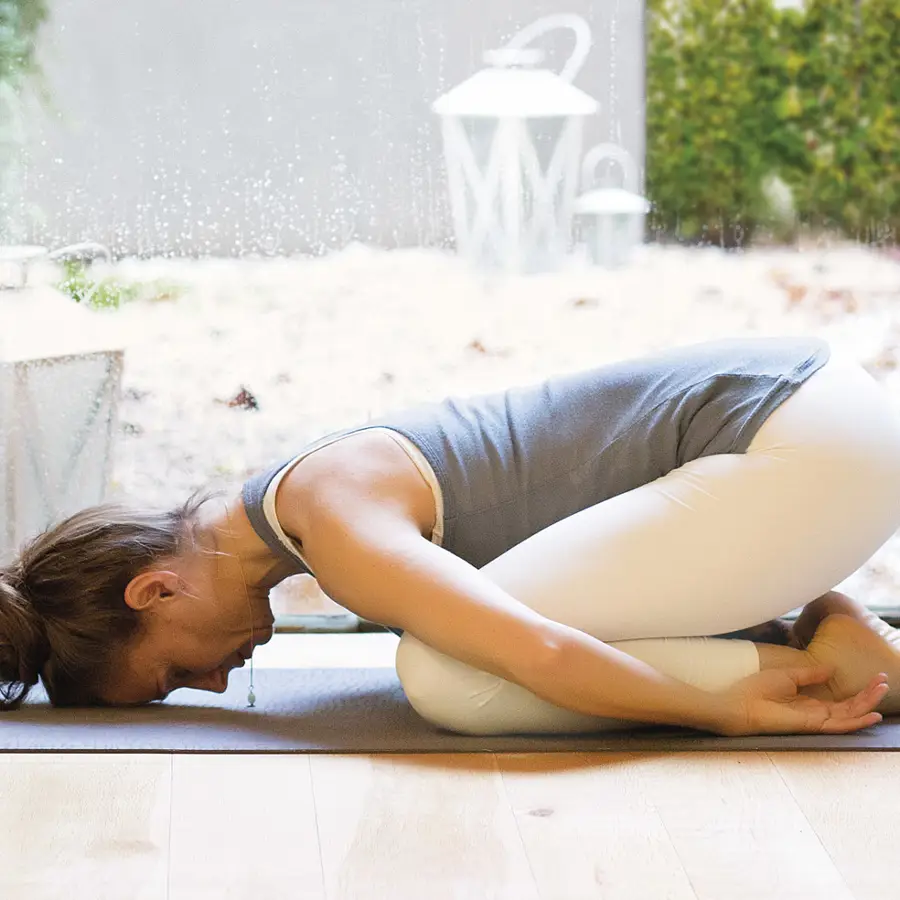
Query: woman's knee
(442, 690)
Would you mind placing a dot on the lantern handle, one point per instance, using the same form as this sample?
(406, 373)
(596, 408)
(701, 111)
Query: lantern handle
(618, 154)
(583, 39)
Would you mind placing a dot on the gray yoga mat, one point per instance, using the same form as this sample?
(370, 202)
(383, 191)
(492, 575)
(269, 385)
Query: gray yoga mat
(339, 711)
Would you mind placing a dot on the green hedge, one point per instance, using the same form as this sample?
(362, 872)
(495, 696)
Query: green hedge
(19, 24)
(20, 21)
(740, 92)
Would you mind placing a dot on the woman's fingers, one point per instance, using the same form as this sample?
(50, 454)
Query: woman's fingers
(858, 711)
(771, 703)
(843, 726)
(867, 699)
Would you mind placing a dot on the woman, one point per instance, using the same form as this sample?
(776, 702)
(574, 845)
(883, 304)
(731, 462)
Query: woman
(552, 557)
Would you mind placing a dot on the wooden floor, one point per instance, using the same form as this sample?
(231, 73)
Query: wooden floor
(760, 826)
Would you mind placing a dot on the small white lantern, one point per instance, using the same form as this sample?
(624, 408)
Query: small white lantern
(512, 140)
(60, 376)
(613, 217)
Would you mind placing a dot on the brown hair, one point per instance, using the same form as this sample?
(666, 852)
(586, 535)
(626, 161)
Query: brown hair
(63, 615)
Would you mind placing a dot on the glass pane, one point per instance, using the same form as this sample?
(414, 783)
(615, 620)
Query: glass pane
(272, 188)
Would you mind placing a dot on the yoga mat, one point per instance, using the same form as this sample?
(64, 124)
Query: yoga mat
(340, 711)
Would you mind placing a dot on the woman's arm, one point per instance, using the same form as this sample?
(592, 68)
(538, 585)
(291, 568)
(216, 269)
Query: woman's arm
(361, 513)
(383, 570)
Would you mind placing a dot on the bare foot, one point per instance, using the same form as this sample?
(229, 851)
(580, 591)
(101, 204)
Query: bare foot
(857, 653)
(836, 603)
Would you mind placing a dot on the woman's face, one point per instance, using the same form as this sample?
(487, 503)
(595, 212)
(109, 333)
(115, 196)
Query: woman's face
(196, 617)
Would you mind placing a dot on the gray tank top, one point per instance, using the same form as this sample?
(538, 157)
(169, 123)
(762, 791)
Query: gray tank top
(512, 463)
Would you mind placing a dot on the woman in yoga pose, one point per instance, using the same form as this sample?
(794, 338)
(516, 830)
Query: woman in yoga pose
(556, 558)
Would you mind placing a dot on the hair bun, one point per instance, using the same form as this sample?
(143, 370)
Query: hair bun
(24, 648)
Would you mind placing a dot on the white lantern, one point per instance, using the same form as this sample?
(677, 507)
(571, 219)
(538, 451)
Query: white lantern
(512, 140)
(612, 217)
(60, 375)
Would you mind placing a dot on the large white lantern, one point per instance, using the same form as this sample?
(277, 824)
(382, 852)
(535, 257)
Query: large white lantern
(60, 376)
(612, 218)
(512, 141)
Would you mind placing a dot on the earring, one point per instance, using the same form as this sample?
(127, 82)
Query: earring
(251, 697)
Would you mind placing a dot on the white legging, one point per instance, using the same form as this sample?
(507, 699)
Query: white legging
(722, 543)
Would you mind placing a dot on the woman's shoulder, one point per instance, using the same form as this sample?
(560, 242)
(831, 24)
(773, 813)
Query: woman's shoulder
(362, 467)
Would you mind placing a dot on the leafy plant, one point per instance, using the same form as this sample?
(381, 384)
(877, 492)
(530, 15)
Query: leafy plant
(846, 81)
(708, 74)
(109, 293)
(739, 93)
(20, 21)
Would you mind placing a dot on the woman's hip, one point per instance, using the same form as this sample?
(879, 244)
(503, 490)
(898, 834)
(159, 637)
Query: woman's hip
(728, 541)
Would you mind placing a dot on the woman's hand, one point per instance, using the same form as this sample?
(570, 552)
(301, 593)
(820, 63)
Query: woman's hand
(770, 702)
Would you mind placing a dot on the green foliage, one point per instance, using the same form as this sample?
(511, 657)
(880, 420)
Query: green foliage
(848, 81)
(705, 160)
(738, 91)
(109, 293)
(19, 24)
(106, 294)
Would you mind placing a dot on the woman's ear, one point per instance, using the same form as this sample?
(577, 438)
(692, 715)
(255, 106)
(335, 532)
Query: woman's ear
(149, 589)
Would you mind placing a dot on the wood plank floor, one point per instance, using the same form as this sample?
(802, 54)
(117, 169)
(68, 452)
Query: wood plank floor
(761, 826)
